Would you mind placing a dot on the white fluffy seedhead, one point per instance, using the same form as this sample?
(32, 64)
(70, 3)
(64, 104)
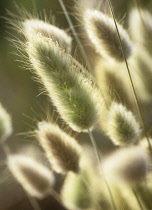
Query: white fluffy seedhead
(122, 126)
(62, 150)
(71, 88)
(36, 179)
(145, 145)
(31, 27)
(141, 26)
(103, 35)
(5, 124)
(129, 165)
(76, 193)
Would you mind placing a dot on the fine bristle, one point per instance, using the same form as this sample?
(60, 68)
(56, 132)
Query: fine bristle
(5, 124)
(129, 165)
(102, 33)
(62, 150)
(36, 179)
(71, 88)
(122, 126)
(31, 27)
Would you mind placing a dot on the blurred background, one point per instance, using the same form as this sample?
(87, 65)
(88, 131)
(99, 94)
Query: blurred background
(19, 94)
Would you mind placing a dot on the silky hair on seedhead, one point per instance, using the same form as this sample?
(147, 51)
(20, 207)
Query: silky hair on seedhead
(122, 127)
(102, 33)
(36, 179)
(5, 124)
(129, 165)
(63, 151)
(31, 27)
(72, 89)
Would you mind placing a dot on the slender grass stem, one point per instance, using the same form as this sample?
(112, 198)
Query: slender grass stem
(75, 35)
(100, 166)
(35, 205)
(138, 200)
(130, 78)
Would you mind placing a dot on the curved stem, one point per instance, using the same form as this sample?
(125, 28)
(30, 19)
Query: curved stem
(130, 78)
(100, 166)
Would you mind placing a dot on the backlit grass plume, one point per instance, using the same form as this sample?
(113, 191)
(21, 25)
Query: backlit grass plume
(62, 150)
(143, 74)
(71, 88)
(123, 129)
(129, 165)
(103, 35)
(31, 27)
(113, 80)
(36, 179)
(5, 123)
(76, 192)
(142, 33)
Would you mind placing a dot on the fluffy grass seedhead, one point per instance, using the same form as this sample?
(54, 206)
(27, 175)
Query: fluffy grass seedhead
(5, 124)
(129, 165)
(145, 146)
(102, 33)
(113, 80)
(31, 27)
(141, 27)
(143, 74)
(62, 150)
(36, 179)
(76, 192)
(122, 126)
(71, 88)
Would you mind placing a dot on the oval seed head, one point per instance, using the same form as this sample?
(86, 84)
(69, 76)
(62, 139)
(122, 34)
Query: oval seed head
(145, 145)
(129, 165)
(102, 33)
(71, 88)
(141, 27)
(5, 124)
(122, 126)
(62, 150)
(76, 192)
(36, 179)
(31, 27)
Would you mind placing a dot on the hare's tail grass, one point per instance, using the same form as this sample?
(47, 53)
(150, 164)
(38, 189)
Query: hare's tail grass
(130, 78)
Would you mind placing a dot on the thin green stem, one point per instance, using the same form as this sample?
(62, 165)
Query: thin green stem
(138, 200)
(95, 148)
(75, 35)
(130, 78)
